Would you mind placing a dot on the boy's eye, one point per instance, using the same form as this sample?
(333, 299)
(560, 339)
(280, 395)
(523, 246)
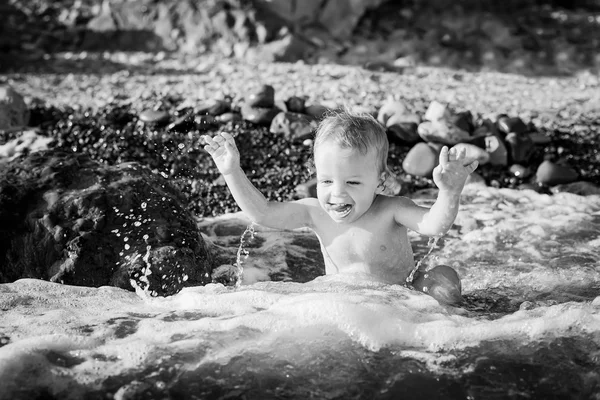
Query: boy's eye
(325, 182)
(353, 183)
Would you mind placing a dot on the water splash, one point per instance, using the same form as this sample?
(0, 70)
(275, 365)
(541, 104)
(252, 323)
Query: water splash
(432, 244)
(243, 253)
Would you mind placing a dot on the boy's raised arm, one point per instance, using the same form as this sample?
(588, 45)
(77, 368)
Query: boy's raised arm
(280, 215)
(449, 176)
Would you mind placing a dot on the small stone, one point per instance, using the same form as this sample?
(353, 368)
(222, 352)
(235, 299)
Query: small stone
(497, 150)
(403, 133)
(421, 160)
(259, 115)
(154, 116)
(437, 111)
(295, 104)
(519, 171)
(263, 98)
(511, 124)
(230, 117)
(475, 179)
(473, 153)
(551, 174)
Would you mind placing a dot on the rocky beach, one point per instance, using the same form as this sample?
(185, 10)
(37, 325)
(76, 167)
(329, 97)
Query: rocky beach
(104, 182)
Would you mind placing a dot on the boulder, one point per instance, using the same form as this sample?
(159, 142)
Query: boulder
(68, 219)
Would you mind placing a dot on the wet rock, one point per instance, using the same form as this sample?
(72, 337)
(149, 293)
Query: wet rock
(264, 97)
(464, 120)
(520, 147)
(497, 150)
(294, 126)
(421, 160)
(508, 125)
(295, 104)
(317, 111)
(403, 132)
(154, 116)
(442, 283)
(230, 117)
(258, 115)
(549, 173)
(68, 219)
(214, 107)
(13, 110)
(28, 141)
(519, 171)
(581, 188)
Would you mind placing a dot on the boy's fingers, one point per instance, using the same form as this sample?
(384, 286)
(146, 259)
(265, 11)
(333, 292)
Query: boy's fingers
(444, 157)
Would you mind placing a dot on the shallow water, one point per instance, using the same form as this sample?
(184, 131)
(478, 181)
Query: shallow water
(530, 327)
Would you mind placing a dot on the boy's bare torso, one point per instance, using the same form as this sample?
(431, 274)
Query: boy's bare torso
(374, 244)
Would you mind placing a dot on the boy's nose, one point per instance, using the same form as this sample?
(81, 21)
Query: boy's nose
(338, 190)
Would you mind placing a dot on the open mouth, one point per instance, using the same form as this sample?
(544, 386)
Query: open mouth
(340, 210)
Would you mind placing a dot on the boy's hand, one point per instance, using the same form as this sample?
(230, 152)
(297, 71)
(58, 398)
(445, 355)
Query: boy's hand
(224, 152)
(453, 170)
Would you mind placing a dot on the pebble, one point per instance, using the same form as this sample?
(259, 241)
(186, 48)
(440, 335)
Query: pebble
(520, 147)
(154, 116)
(549, 173)
(421, 160)
(497, 150)
(264, 97)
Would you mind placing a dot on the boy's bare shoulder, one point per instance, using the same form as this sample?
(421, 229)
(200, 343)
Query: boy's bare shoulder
(396, 202)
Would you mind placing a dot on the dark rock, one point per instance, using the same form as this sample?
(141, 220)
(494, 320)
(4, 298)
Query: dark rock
(520, 148)
(497, 149)
(464, 120)
(441, 282)
(511, 125)
(213, 107)
(294, 126)
(295, 104)
(317, 111)
(263, 98)
(403, 133)
(549, 173)
(13, 110)
(68, 219)
(259, 115)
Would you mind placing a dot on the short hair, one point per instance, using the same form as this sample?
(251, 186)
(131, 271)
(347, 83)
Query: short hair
(354, 130)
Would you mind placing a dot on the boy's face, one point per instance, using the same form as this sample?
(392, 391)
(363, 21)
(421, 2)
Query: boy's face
(347, 181)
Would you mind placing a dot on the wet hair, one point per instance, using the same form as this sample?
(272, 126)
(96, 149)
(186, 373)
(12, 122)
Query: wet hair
(353, 130)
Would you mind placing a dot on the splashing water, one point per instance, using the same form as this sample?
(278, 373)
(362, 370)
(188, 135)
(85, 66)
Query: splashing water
(243, 253)
(431, 244)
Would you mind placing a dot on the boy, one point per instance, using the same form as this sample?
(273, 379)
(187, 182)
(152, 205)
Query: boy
(359, 229)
